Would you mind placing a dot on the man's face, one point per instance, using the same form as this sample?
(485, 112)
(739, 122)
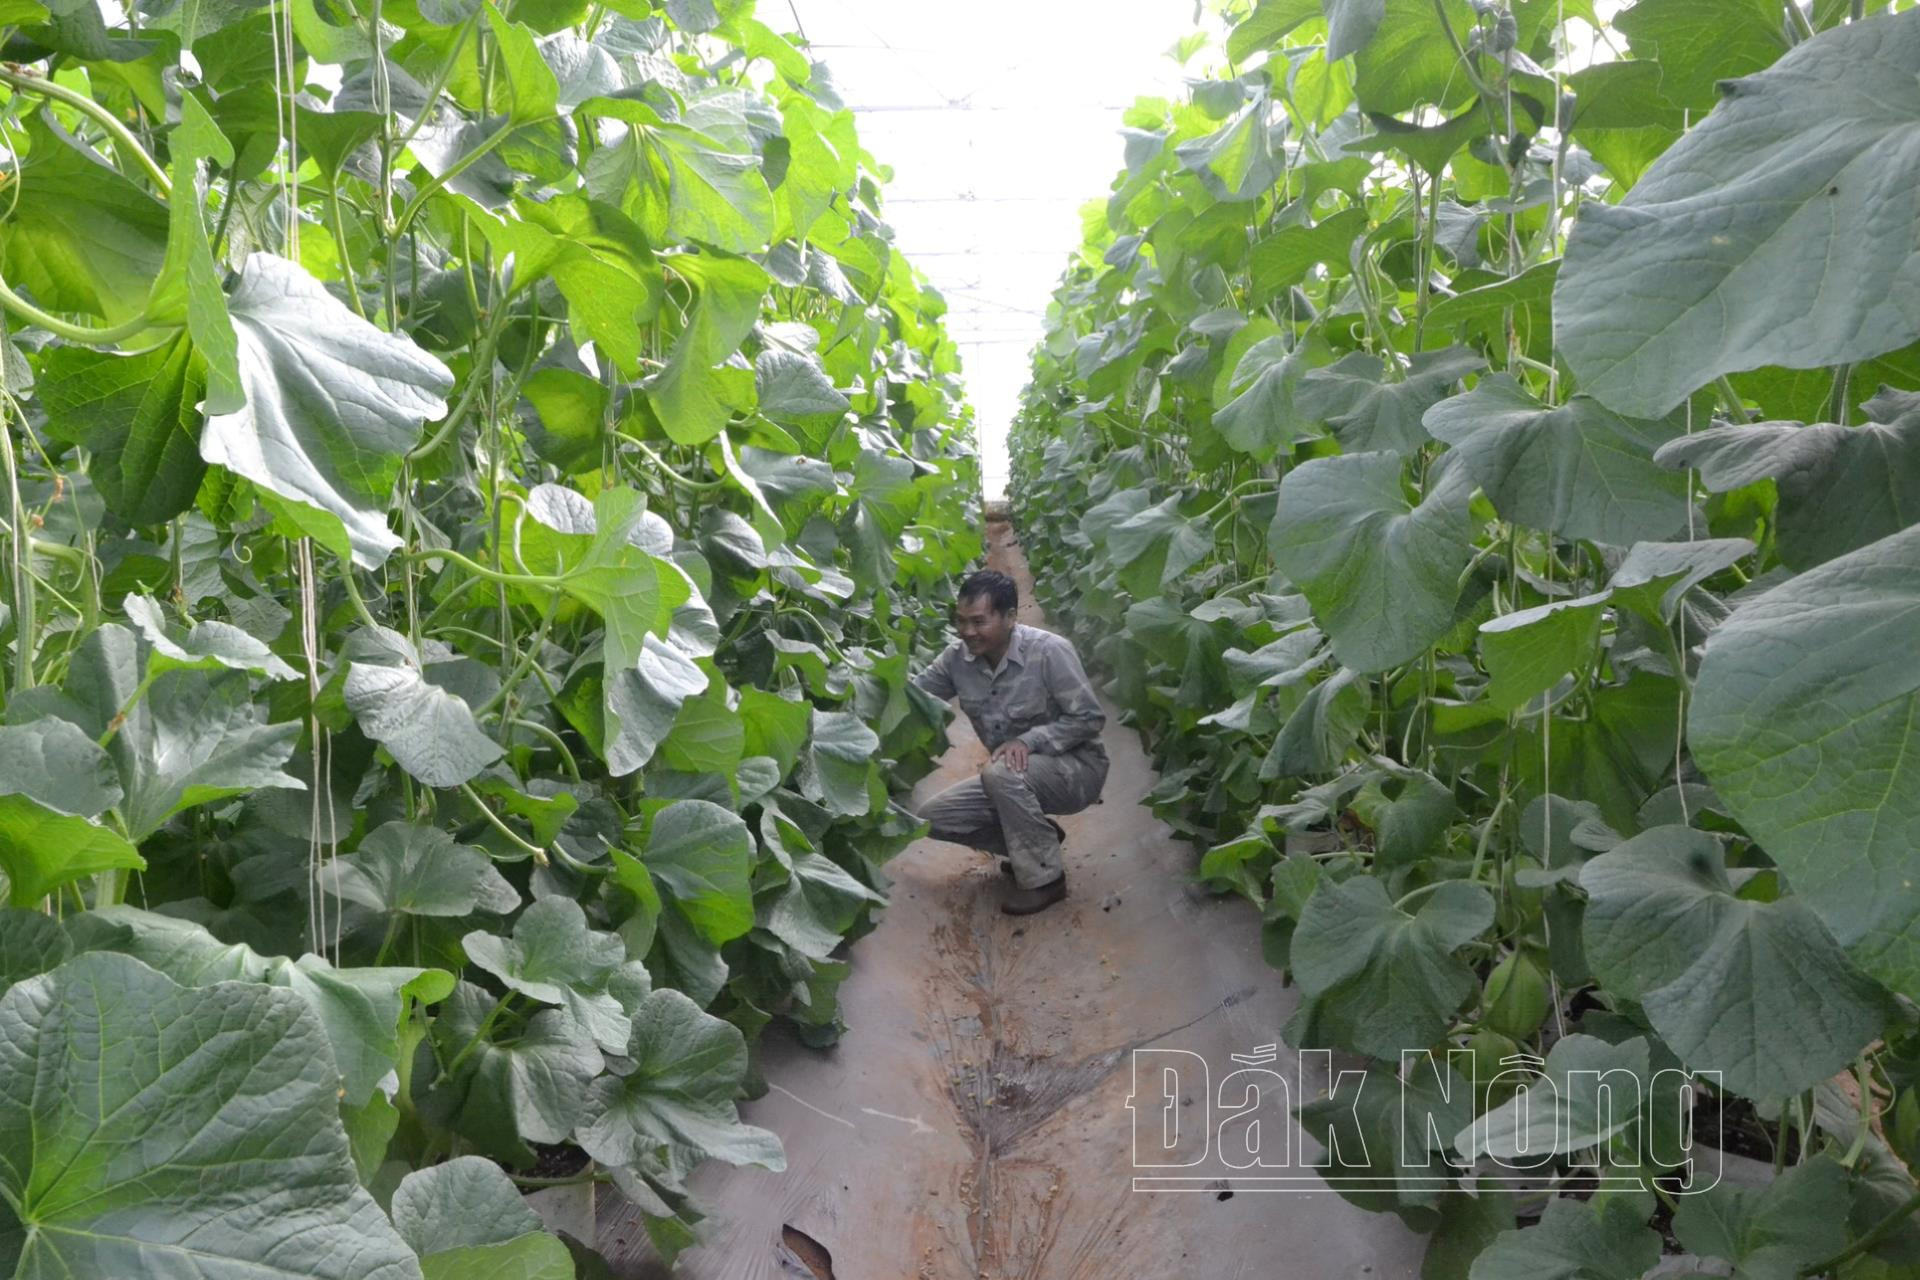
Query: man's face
(982, 628)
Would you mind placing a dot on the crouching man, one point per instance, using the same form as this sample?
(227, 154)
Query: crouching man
(1030, 701)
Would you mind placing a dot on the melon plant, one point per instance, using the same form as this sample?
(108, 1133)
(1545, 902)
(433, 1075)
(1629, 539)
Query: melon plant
(475, 476)
(1473, 439)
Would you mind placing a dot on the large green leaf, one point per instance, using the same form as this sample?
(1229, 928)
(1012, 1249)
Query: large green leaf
(714, 196)
(693, 399)
(188, 289)
(207, 646)
(53, 763)
(408, 869)
(1266, 24)
(524, 87)
(1157, 546)
(1586, 1093)
(1321, 730)
(1615, 757)
(644, 701)
(1766, 236)
(1367, 413)
(41, 850)
(196, 737)
(1656, 576)
(1757, 991)
(1699, 43)
(600, 552)
(837, 767)
(331, 403)
(81, 237)
(819, 905)
(1378, 1133)
(1239, 156)
(1382, 574)
(1803, 718)
(688, 1067)
(775, 726)
(152, 1129)
(555, 958)
(1376, 978)
(1576, 469)
(1574, 1240)
(792, 386)
(140, 419)
(598, 259)
(429, 730)
(1797, 1220)
(1840, 487)
(30, 944)
(1528, 651)
(360, 1007)
(703, 854)
(1410, 59)
(530, 1087)
(1262, 417)
(465, 1218)
(1351, 24)
(193, 736)
(54, 780)
(1285, 257)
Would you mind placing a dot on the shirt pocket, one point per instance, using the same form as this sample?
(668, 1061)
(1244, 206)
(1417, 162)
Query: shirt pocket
(979, 707)
(1029, 707)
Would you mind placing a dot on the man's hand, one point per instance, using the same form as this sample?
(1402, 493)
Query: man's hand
(1014, 753)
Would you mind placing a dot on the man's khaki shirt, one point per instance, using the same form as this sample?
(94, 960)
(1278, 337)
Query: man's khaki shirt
(1039, 693)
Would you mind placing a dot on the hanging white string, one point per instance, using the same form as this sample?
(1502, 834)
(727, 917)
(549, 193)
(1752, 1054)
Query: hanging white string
(1553, 396)
(1680, 676)
(317, 792)
(283, 31)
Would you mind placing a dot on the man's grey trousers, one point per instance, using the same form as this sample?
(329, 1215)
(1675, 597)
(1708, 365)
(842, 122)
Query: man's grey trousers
(1004, 810)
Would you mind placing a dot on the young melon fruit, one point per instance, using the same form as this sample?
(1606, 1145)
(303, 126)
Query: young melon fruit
(1517, 997)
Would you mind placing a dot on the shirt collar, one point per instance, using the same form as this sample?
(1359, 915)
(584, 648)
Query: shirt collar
(1016, 654)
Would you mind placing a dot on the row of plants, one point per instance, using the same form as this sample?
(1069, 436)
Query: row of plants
(476, 473)
(1477, 442)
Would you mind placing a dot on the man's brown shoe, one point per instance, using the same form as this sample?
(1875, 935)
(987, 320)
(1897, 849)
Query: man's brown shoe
(1024, 902)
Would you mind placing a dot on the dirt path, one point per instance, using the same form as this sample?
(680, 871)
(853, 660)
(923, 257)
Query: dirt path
(974, 1120)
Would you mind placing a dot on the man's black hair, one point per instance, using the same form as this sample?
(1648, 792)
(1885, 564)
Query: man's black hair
(997, 587)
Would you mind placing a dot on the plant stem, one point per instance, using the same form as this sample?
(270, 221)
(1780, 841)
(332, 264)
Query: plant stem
(120, 717)
(795, 610)
(1236, 492)
(1730, 399)
(534, 851)
(479, 1034)
(1800, 21)
(475, 567)
(1837, 403)
(458, 167)
(26, 622)
(386, 943)
(84, 334)
(122, 136)
(1486, 835)
(554, 740)
(1879, 1231)
(685, 482)
(525, 663)
(353, 594)
(577, 1179)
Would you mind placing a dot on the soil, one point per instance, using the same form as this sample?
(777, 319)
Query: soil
(561, 1160)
